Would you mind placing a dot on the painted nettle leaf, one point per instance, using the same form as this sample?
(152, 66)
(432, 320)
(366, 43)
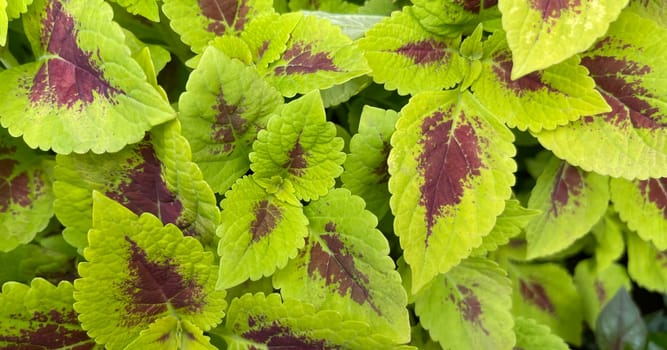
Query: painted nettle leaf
(154, 176)
(40, 316)
(9, 10)
(609, 243)
(532, 335)
(449, 163)
(26, 195)
(446, 17)
(84, 92)
(345, 266)
(630, 141)
(146, 8)
(642, 204)
(647, 265)
(509, 224)
(542, 32)
(139, 273)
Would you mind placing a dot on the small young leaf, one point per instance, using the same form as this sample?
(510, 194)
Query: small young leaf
(531, 335)
(647, 265)
(608, 233)
(469, 307)
(40, 316)
(448, 183)
(642, 204)
(620, 325)
(139, 272)
(509, 224)
(446, 17)
(345, 267)
(258, 233)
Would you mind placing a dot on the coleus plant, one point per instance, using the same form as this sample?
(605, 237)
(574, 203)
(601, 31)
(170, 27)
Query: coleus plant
(258, 175)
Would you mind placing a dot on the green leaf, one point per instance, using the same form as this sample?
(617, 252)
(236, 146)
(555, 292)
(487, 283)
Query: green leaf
(509, 224)
(571, 201)
(448, 183)
(258, 234)
(32, 260)
(629, 141)
(540, 100)
(366, 174)
(26, 197)
(652, 9)
(225, 104)
(543, 33)
(546, 293)
(345, 266)
(352, 25)
(138, 272)
(404, 56)
(608, 233)
(469, 307)
(299, 149)
(267, 36)
(647, 265)
(154, 176)
(531, 335)
(40, 316)
(620, 324)
(146, 8)
(642, 204)
(16, 8)
(169, 333)
(259, 321)
(85, 91)
(445, 17)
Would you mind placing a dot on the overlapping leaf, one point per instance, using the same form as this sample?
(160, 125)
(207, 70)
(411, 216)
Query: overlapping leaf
(571, 201)
(26, 197)
(509, 224)
(653, 9)
(630, 141)
(40, 316)
(146, 8)
(33, 260)
(10, 9)
(451, 172)
(85, 92)
(647, 265)
(446, 17)
(404, 56)
(140, 272)
(642, 204)
(298, 151)
(366, 173)
(469, 307)
(258, 233)
(620, 324)
(608, 233)
(223, 108)
(531, 335)
(345, 266)
(154, 176)
(542, 33)
(169, 333)
(540, 100)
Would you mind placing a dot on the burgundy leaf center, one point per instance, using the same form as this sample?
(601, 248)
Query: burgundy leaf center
(300, 59)
(474, 6)
(424, 52)
(655, 190)
(225, 13)
(277, 336)
(267, 217)
(297, 161)
(17, 189)
(471, 307)
(52, 330)
(553, 9)
(534, 293)
(528, 83)
(569, 182)
(228, 125)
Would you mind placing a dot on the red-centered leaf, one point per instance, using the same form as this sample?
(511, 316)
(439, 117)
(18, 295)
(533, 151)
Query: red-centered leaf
(656, 192)
(300, 59)
(425, 51)
(642, 204)
(225, 13)
(569, 183)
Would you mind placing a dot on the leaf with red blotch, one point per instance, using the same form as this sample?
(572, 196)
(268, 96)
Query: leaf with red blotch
(631, 140)
(26, 197)
(139, 273)
(85, 92)
(154, 176)
(451, 171)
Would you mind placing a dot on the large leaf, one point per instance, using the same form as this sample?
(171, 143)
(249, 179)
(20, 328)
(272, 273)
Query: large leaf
(85, 91)
(469, 307)
(647, 265)
(642, 204)
(509, 224)
(404, 56)
(620, 325)
(531, 335)
(345, 266)
(451, 172)
(223, 108)
(540, 100)
(154, 176)
(542, 33)
(40, 316)
(139, 272)
(631, 140)
(26, 198)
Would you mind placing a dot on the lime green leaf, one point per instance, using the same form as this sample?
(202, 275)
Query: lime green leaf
(546, 293)
(26, 197)
(267, 37)
(597, 286)
(225, 104)
(159, 56)
(571, 201)
(543, 33)
(32, 260)
(469, 307)
(608, 233)
(365, 172)
(333, 7)
(346, 267)
(540, 100)
(259, 321)
(628, 68)
(620, 324)
(316, 56)
(652, 9)
(646, 264)
(169, 333)
(258, 234)
(404, 56)
(17, 7)
(40, 316)
(4, 22)
(85, 92)
(531, 335)
(446, 17)
(508, 225)
(451, 172)
(642, 204)
(145, 8)
(138, 272)
(299, 149)
(154, 176)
